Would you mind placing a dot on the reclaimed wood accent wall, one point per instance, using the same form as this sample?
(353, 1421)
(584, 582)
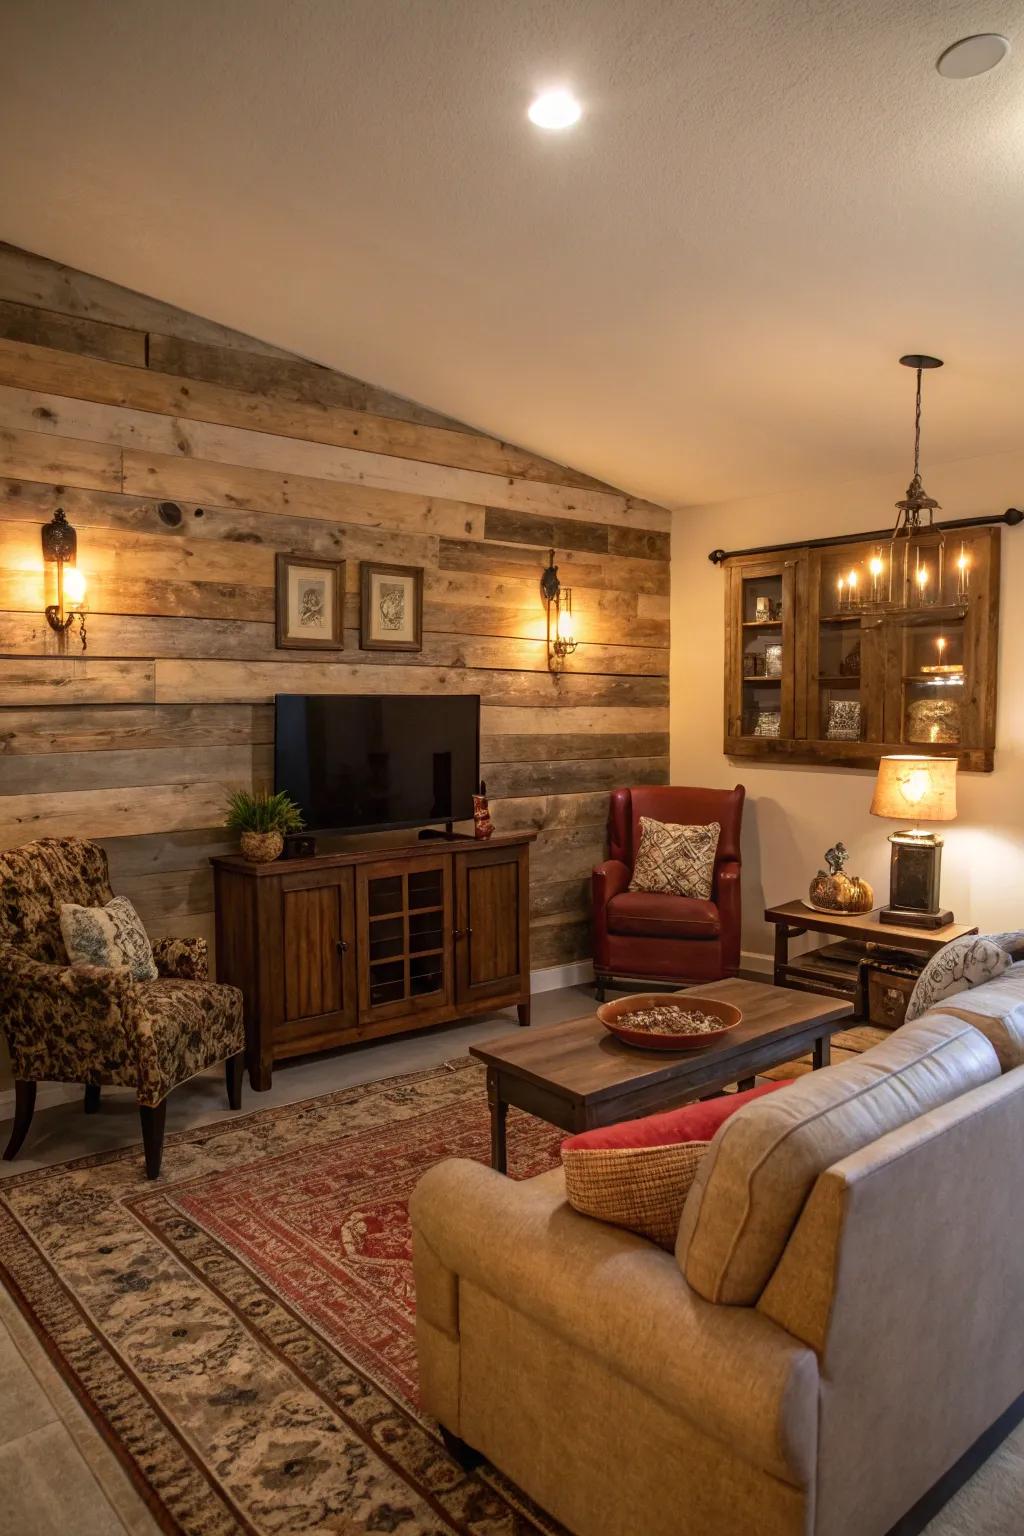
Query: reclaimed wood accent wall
(113, 405)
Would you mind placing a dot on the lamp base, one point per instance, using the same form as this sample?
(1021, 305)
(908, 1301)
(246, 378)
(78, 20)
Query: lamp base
(911, 919)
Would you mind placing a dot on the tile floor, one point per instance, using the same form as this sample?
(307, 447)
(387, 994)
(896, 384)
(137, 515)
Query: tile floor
(59, 1477)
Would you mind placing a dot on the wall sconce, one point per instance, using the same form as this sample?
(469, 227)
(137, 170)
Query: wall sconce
(558, 600)
(60, 548)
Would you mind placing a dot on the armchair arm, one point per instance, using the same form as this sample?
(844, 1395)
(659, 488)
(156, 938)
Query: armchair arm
(65, 1023)
(186, 959)
(608, 879)
(727, 881)
(619, 1299)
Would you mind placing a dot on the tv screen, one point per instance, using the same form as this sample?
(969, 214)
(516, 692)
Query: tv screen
(363, 762)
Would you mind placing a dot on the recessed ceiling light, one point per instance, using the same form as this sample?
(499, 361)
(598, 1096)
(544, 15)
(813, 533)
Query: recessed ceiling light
(973, 56)
(555, 109)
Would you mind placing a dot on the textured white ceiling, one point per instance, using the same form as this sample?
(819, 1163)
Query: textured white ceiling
(699, 292)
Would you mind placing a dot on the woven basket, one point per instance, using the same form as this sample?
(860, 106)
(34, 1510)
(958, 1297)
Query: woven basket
(261, 847)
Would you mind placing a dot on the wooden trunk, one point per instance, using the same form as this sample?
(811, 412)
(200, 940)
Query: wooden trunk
(372, 940)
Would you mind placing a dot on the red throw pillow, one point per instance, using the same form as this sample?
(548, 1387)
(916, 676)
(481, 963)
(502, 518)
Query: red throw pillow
(638, 1174)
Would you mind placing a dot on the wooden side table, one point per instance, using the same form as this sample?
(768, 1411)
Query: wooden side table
(839, 969)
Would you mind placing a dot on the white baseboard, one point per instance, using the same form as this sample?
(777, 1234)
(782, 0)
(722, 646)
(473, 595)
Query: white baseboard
(550, 978)
(750, 960)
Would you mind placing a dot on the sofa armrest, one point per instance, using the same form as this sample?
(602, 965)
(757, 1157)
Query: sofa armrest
(65, 1023)
(608, 879)
(621, 1299)
(184, 959)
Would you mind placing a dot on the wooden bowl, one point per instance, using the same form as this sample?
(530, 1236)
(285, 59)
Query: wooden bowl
(615, 1017)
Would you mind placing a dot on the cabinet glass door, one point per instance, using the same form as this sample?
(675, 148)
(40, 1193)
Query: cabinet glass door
(405, 926)
(761, 703)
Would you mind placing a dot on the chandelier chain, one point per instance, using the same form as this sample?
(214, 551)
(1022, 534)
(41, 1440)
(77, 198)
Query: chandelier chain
(917, 429)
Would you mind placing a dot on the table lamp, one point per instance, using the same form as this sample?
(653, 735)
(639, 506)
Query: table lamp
(918, 789)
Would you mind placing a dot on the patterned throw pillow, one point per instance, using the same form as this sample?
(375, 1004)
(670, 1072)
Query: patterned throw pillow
(677, 861)
(1013, 943)
(963, 964)
(638, 1174)
(111, 936)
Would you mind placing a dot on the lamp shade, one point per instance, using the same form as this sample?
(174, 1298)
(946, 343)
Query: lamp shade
(918, 788)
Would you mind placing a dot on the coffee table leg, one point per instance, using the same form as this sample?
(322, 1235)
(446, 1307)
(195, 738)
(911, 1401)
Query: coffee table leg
(822, 1052)
(743, 1083)
(499, 1114)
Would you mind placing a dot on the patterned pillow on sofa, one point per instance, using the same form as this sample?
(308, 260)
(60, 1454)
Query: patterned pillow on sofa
(675, 860)
(960, 965)
(638, 1174)
(111, 936)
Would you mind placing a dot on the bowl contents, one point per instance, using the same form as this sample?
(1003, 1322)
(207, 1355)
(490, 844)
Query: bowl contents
(670, 1020)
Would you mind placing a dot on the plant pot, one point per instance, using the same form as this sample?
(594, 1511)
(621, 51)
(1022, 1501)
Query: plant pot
(261, 847)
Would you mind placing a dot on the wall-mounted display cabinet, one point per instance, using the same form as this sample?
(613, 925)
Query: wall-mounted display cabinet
(832, 657)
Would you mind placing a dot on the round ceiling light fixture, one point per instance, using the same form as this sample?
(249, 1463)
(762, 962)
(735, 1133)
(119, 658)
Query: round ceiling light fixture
(555, 109)
(973, 56)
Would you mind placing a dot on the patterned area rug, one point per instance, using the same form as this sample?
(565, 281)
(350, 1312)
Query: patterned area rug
(242, 1330)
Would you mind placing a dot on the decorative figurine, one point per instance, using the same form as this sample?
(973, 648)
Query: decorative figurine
(837, 891)
(483, 826)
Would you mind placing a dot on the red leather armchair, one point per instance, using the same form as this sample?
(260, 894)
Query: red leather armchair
(646, 936)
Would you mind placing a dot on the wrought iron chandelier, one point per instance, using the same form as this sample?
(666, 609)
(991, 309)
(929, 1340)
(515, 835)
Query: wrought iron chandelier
(909, 573)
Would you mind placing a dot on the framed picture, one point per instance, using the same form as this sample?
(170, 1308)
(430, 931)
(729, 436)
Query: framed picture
(310, 603)
(390, 607)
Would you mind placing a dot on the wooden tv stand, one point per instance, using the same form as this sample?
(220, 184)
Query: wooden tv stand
(374, 939)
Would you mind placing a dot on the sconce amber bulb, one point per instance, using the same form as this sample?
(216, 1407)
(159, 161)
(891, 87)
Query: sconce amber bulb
(74, 584)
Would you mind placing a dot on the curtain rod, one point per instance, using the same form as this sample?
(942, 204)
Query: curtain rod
(1011, 517)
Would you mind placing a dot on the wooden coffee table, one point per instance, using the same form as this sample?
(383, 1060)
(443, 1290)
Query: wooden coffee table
(579, 1076)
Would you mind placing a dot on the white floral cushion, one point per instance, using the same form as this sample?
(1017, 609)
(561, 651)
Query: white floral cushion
(675, 860)
(963, 964)
(1013, 943)
(111, 936)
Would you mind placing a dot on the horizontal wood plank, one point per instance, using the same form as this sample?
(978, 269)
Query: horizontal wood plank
(72, 333)
(30, 773)
(60, 462)
(43, 284)
(74, 680)
(126, 427)
(103, 728)
(94, 813)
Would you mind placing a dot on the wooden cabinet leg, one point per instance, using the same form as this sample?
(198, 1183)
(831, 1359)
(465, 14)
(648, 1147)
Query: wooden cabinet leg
(92, 1098)
(24, 1106)
(822, 1052)
(260, 1075)
(153, 1118)
(233, 1079)
(499, 1115)
(601, 988)
(523, 1010)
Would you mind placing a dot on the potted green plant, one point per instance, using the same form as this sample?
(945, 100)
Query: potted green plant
(262, 819)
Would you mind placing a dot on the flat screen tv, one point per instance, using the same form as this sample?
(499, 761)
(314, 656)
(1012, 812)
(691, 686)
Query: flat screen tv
(362, 762)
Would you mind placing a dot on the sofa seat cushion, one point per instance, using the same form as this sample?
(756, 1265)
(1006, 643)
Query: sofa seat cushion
(761, 1166)
(637, 1174)
(997, 1009)
(182, 1027)
(652, 915)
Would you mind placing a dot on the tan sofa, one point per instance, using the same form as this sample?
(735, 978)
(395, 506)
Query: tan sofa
(840, 1322)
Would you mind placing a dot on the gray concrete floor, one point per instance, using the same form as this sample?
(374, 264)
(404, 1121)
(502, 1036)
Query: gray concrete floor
(58, 1475)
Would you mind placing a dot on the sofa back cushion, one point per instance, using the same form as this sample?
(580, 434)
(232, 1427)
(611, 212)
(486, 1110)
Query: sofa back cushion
(997, 1009)
(36, 880)
(763, 1163)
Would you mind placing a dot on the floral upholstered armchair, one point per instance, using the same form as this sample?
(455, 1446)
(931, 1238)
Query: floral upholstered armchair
(93, 1025)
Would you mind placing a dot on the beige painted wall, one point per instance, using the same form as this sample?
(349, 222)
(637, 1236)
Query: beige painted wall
(794, 813)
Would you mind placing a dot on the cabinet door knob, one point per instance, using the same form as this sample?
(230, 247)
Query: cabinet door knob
(456, 933)
(341, 946)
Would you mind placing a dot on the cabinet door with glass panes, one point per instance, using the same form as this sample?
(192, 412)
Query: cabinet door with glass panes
(940, 692)
(765, 629)
(404, 914)
(845, 659)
